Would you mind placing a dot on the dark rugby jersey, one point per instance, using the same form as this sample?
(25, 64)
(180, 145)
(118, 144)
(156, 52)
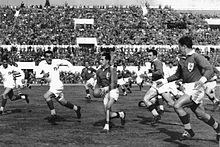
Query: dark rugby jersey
(192, 69)
(157, 70)
(107, 77)
(88, 73)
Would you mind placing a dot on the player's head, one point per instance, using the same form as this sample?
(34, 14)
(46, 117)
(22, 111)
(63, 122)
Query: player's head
(5, 61)
(48, 56)
(185, 42)
(152, 54)
(86, 63)
(105, 59)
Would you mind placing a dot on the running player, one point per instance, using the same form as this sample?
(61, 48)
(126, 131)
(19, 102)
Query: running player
(88, 76)
(194, 70)
(9, 74)
(156, 73)
(49, 70)
(107, 81)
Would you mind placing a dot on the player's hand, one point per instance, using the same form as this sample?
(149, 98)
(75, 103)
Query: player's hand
(198, 84)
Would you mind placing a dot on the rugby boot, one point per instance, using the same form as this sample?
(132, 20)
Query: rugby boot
(155, 120)
(52, 119)
(160, 111)
(187, 134)
(88, 98)
(125, 93)
(141, 104)
(105, 129)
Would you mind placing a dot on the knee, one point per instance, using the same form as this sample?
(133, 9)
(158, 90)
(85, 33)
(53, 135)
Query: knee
(176, 106)
(47, 97)
(4, 96)
(200, 116)
(171, 104)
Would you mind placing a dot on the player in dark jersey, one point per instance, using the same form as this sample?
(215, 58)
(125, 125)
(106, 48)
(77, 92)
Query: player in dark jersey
(107, 81)
(194, 71)
(123, 80)
(88, 76)
(156, 73)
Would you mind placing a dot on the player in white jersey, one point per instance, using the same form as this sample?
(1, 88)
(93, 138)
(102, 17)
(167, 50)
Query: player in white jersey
(139, 77)
(9, 75)
(49, 70)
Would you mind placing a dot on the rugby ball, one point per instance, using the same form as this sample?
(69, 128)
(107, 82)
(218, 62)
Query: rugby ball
(98, 93)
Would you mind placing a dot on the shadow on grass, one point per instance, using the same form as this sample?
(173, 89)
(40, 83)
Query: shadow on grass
(147, 120)
(174, 138)
(102, 124)
(12, 111)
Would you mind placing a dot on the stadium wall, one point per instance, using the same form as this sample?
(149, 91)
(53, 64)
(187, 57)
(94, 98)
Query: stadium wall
(74, 69)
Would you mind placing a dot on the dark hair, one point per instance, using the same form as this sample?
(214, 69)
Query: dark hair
(107, 56)
(5, 57)
(153, 51)
(48, 52)
(186, 40)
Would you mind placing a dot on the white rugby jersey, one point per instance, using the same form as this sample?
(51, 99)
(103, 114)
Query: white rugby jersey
(7, 73)
(52, 69)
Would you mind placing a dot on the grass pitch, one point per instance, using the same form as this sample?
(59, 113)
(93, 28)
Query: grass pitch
(25, 125)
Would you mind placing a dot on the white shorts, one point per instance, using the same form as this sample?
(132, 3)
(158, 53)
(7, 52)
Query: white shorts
(56, 90)
(126, 80)
(19, 82)
(9, 84)
(210, 85)
(91, 81)
(168, 87)
(113, 94)
(197, 95)
(139, 80)
(121, 82)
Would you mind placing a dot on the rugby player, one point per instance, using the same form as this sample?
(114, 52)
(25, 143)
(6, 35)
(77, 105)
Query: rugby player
(107, 81)
(194, 71)
(9, 73)
(49, 70)
(156, 73)
(88, 76)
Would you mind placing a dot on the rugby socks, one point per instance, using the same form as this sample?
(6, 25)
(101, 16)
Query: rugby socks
(106, 127)
(152, 109)
(87, 92)
(4, 101)
(160, 103)
(123, 89)
(51, 107)
(117, 114)
(16, 97)
(186, 122)
(68, 105)
(211, 122)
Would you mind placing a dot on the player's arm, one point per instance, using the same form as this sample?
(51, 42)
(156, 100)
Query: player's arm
(114, 79)
(83, 74)
(206, 66)
(98, 83)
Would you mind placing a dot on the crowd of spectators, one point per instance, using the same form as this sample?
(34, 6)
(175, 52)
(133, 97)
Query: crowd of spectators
(114, 25)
